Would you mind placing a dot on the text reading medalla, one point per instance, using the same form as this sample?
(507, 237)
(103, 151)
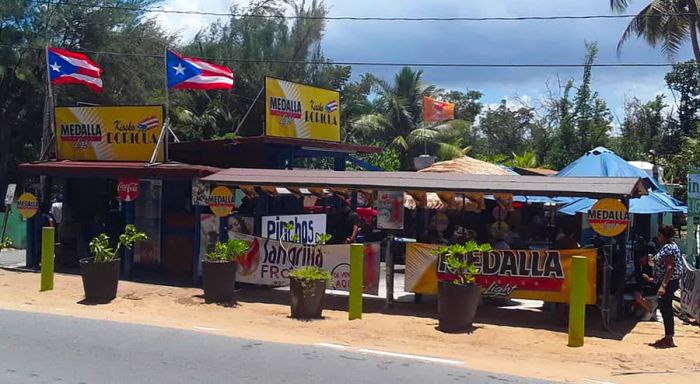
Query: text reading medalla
(608, 215)
(285, 107)
(81, 132)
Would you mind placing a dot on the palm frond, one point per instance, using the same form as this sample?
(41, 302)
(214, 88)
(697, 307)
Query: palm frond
(447, 151)
(400, 142)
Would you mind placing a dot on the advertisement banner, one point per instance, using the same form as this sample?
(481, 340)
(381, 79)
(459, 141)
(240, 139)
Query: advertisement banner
(390, 210)
(118, 133)
(522, 274)
(301, 111)
(268, 262)
(608, 217)
(307, 227)
(690, 291)
(694, 193)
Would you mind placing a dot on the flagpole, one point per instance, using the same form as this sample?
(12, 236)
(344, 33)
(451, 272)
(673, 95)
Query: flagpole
(166, 122)
(48, 126)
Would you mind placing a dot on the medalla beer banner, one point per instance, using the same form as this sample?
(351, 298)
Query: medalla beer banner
(301, 111)
(524, 274)
(268, 262)
(117, 133)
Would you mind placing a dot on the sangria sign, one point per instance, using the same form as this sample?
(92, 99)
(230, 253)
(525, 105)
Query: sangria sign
(268, 262)
(526, 274)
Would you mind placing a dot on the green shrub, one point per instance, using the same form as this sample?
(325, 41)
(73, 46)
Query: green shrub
(103, 253)
(311, 274)
(228, 251)
(5, 243)
(455, 259)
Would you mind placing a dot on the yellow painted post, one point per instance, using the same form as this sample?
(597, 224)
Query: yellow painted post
(47, 253)
(357, 255)
(577, 301)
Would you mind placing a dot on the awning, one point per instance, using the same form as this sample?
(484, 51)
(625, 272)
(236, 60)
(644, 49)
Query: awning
(654, 202)
(595, 187)
(171, 170)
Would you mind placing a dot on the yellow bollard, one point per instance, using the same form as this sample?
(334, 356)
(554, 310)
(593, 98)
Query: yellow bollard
(577, 301)
(47, 253)
(357, 256)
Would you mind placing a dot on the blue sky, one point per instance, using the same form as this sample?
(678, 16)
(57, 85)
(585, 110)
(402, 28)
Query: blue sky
(560, 41)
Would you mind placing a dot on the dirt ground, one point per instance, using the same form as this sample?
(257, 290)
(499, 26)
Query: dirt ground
(521, 342)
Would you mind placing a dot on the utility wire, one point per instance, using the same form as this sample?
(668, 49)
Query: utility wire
(358, 18)
(380, 63)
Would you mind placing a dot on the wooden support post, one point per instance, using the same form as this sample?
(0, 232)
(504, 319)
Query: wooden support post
(577, 301)
(357, 253)
(47, 254)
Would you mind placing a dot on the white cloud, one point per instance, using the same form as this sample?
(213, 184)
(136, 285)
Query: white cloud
(476, 42)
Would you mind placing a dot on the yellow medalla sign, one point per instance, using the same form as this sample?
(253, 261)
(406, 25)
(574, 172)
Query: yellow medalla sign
(608, 217)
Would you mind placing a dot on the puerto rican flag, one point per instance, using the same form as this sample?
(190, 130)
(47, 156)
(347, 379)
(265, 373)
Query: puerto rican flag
(149, 123)
(66, 67)
(331, 107)
(191, 73)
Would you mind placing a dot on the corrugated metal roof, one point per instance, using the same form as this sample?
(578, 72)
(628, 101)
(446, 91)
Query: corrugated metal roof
(434, 182)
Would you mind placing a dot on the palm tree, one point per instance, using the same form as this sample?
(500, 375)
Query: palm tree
(527, 160)
(663, 22)
(397, 120)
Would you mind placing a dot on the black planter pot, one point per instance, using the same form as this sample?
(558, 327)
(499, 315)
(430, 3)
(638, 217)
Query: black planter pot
(218, 281)
(457, 306)
(100, 280)
(306, 303)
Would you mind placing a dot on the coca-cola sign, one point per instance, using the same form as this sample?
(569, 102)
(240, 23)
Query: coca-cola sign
(128, 188)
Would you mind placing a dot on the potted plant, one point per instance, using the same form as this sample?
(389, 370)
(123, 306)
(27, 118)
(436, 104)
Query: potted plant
(458, 297)
(307, 285)
(219, 270)
(307, 288)
(100, 272)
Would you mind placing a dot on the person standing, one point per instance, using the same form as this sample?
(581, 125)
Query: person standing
(667, 271)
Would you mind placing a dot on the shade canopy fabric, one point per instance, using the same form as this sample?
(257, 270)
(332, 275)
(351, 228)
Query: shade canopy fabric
(602, 162)
(655, 202)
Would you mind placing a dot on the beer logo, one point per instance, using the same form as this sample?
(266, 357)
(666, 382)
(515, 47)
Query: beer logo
(221, 201)
(285, 107)
(608, 217)
(27, 205)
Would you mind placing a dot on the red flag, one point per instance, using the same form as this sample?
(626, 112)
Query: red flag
(435, 110)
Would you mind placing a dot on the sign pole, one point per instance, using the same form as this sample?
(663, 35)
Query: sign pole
(356, 279)
(577, 305)
(47, 254)
(240, 123)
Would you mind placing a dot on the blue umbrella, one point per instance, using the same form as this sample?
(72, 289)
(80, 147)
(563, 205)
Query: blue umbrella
(654, 202)
(602, 162)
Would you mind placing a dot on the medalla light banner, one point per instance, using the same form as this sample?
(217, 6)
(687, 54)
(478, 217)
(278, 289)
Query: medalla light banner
(523, 274)
(301, 111)
(115, 133)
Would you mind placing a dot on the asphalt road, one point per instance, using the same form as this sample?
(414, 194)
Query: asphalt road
(40, 348)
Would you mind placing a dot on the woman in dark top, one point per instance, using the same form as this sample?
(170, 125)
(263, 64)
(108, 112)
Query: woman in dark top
(667, 273)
